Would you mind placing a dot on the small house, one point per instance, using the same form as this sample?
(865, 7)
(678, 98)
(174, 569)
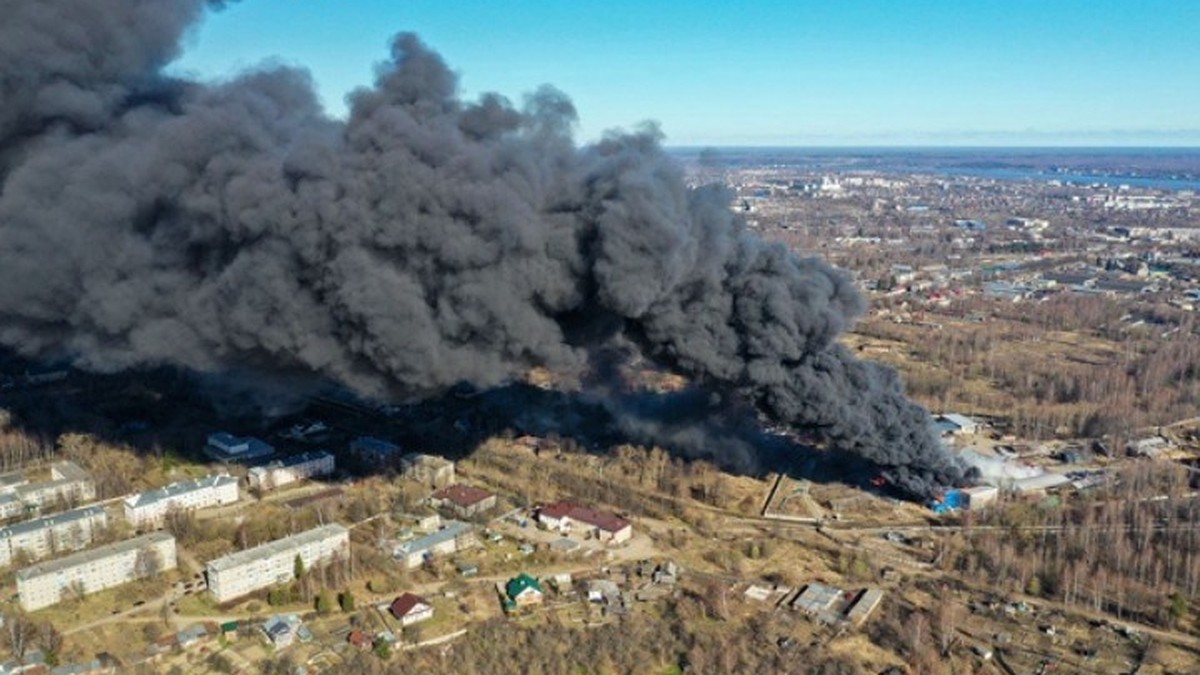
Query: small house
(523, 591)
(410, 609)
(360, 640)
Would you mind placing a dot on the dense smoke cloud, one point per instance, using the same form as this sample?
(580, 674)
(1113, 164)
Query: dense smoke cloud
(424, 242)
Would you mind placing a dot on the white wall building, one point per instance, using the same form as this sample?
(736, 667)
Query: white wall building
(68, 484)
(290, 470)
(428, 469)
(10, 506)
(274, 562)
(603, 525)
(41, 537)
(91, 571)
(150, 507)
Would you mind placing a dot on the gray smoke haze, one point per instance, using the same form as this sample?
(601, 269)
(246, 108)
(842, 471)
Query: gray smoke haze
(424, 242)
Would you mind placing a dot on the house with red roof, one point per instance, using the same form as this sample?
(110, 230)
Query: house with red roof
(410, 609)
(360, 640)
(464, 500)
(567, 516)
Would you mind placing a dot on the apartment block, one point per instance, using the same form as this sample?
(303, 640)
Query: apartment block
(41, 537)
(150, 507)
(238, 574)
(87, 572)
(290, 470)
(429, 469)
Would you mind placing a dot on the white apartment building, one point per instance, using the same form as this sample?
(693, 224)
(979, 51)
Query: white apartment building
(290, 470)
(274, 562)
(68, 482)
(10, 506)
(150, 507)
(91, 571)
(41, 537)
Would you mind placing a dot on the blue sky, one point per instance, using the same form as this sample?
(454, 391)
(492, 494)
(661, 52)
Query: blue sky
(836, 72)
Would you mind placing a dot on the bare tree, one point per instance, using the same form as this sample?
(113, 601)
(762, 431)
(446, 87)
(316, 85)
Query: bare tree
(148, 563)
(918, 632)
(19, 633)
(48, 638)
(948, 617)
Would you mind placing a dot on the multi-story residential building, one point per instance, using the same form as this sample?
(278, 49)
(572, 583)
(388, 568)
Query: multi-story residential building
(375, 452)
(9, 482)
(290, 470)
(91, 571)
(68, 483)
(150, 507)
(38, 538)
(428, 469)
(274, 562)
(10, 506)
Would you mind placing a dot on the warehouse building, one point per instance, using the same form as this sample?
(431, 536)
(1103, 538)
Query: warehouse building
(150, 507)
(290, 470)
(44, 536)
(464, 500)
(864, 606)
(238, 574)
(92, 571)
(225, 447)
(602, 525)
(453, 537)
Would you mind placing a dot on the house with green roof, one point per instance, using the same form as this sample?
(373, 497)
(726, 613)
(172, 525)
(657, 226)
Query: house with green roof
(522, 591)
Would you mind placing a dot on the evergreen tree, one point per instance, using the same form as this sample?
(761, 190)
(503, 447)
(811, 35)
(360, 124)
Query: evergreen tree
(324, 602)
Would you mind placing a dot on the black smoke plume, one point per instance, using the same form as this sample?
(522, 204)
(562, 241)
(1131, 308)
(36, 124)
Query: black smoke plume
(426, 241)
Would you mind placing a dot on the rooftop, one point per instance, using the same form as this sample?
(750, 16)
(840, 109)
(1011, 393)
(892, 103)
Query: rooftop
(609, 522)
(405, 603)
(70, 471)
(101, 552)
(816, 598)
(520, 583)
(13, 479)
(85, 513)
(960, 421)
(234, 560)
(865, 605)
(178, 488)
(225, 446)
(451, 530)
(294, 460)
(375, 446)
(421, 459)
(462, 495)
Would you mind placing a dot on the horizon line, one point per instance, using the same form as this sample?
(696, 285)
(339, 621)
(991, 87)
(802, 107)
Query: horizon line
(917, 146)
